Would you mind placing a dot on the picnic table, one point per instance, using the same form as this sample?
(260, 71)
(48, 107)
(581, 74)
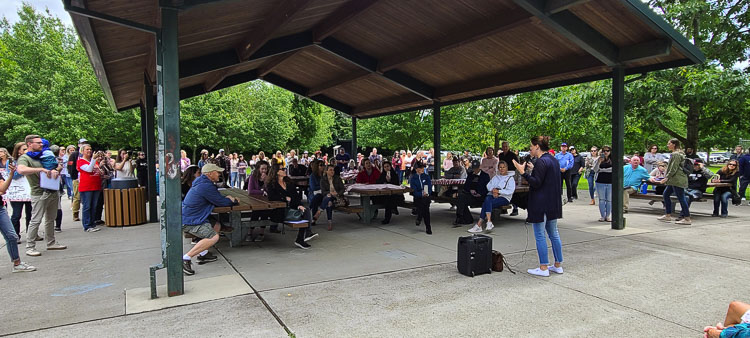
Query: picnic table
(300, 181)
(246, 203)
(367, 191)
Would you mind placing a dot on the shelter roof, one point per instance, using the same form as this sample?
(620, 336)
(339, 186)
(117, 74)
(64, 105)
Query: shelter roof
(373, 57)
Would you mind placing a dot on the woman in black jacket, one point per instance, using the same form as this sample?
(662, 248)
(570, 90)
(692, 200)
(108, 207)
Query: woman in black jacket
(545, 205)
(332, 189)
(389, 176)
(280, 188)
(728, 174)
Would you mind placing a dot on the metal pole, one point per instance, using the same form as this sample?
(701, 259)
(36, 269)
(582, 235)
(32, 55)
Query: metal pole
(149, 149)
(618, 144)
(168, 113)
(354, 139)
(436, 139)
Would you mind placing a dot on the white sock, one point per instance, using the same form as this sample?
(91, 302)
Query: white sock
(185, 257)
(203, 253)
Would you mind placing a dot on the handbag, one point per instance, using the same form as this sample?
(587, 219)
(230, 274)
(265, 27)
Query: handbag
(498, 261)
(340, 201)
(293, 214)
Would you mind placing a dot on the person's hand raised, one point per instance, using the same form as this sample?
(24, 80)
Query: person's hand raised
(519, 167)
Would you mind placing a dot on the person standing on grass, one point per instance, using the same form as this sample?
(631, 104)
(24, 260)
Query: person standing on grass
(43, 201)
(676, 181)
(545, 205)
(9, 234)
(603, 170)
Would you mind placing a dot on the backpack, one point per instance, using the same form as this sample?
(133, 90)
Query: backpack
(687, 166)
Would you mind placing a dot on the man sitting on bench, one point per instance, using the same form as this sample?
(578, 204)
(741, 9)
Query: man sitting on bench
(474, 192)
(200, 200)
(633, 175)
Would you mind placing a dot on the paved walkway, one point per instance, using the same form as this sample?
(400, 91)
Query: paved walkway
(652, 279)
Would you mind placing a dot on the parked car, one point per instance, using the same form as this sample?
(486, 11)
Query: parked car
(717, 158)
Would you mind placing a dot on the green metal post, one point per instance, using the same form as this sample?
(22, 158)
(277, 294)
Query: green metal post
(354, 138)
(618, 137)
(436, 139)
(168, 113)
(150, 149)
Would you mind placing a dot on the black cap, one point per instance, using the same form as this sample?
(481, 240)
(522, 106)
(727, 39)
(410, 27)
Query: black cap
(475, 164)
(419, 165)
(697, 160)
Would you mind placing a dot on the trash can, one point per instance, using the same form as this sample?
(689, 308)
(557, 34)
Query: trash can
(125, 207)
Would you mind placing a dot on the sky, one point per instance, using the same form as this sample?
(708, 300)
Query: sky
(8, 9)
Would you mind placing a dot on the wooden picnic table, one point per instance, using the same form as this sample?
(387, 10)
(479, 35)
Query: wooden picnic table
(246, 203)
(367, 191)
(300, 181)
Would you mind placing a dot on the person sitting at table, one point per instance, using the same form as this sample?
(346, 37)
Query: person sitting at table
(314, 194)
(474, 192)
(199, 202)
(296, 169)
(255, 184)
(280, 188)
(421, 183)
(489, 163)
(633, 176)
(456, 171)
(697, 181)
(389, 176)
(728, 174)
(332, 189)
(657, 175)
(352, 165)
(369, 174)
(499, 192)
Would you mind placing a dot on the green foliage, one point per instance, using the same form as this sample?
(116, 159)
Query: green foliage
(408, 131)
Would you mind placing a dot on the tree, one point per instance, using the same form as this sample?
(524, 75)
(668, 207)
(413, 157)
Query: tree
(411, 130)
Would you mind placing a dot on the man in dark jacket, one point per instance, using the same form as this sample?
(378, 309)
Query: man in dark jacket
(224, 163)
(199, 202)
(744, 162)
(697, 181)
(474, 192)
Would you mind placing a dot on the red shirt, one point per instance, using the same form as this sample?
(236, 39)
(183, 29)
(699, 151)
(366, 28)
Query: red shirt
(88, 181)
(362, 177)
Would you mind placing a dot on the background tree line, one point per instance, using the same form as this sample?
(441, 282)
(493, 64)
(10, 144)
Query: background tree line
(47, 86)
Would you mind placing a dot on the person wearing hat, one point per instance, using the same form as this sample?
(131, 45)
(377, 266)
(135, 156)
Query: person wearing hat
(475, 189)
(199, 202)
(698, 180)
(421, 183)
(566, 163)
(579, 163)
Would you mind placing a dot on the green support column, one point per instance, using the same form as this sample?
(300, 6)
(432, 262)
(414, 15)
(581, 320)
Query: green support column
(168, 114)
(149, 147)
(436, 140)
(354, 138)
(618, 144)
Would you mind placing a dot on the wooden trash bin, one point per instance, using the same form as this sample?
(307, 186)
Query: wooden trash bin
(125, 207)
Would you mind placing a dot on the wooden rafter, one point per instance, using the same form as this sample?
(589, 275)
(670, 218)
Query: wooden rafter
(343, 15)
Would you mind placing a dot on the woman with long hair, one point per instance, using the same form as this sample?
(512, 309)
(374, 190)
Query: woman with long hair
(489, 163)
(22, 199)
(603, 170)
(545, 205)
(6, 228)
(676, 181)
(184, 160)
(124, 165)
(332, 190)
(280, 188)
(188, 176)
(314, 195)
(255, 187)
(728, 174)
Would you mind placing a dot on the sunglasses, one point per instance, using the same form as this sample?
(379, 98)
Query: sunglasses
(732, 164)
(606, 150)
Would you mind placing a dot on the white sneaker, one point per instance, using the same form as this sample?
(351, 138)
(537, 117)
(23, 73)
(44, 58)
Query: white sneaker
(92, 229)
(33, 252)
(489, 227)
(476, 229)
(23, 267)
(665, 218)
(453, 208)
(555, 270)
(538, 272)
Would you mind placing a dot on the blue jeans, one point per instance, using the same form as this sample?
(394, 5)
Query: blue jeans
(490, 202)
(605, 199)
(89, 199)
(723, 199)
(324, 205)
(680, 193)
(400, 174)
(68, 182)
(592, 184)
(541, 241)
(233, 179)
(11, 238)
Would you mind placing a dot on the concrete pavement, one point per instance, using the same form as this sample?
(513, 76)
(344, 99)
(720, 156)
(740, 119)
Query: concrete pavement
(652, 279)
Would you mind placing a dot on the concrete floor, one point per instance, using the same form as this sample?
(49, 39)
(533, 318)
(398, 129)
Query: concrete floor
(651, 279)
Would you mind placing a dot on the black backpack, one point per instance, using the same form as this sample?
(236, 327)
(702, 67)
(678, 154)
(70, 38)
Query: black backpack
(687, 166)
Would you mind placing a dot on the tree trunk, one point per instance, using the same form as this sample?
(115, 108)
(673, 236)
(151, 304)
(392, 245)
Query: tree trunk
(691, 124)
(497, 141)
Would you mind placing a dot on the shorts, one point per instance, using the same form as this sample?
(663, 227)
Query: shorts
(746, 317)
(205, 230)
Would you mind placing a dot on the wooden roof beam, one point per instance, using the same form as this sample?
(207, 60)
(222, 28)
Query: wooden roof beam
(348, 78)
(302, 91)
(370, 64)
(275, 62)
(460, 37)
(555, 6)
(574, 29)
(281, 14)
(339, 18)
(645, 50)
(385, 104)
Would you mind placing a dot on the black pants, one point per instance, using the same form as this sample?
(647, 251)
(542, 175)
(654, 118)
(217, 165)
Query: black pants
(423, 211)
(565, 178)
(391, 203)
(15, 219)
(574, 178)
(304, 232)
(99, 207)
(465, 199)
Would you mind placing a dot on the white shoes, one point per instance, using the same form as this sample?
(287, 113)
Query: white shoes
(555, 270)
(538, 272)
(489, 227)
(665, 218)
(475, 229)
(23, 267)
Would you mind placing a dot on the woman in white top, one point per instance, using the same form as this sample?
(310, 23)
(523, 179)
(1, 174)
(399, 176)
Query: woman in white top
(489, 163)
(123, 167)
(184, 161)
(233, 172)
(500, 192)
(448, 162)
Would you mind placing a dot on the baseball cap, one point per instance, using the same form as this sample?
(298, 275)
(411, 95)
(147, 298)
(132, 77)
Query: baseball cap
(83, 140)
(563, 144)
(305, 152)
(698, 160)
(475, 164)
(209, 167)
(572, 147)
(221, 150)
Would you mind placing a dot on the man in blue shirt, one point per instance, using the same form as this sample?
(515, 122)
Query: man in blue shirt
(342, 159)
(199, 202)
(633, 175)
(566, 162)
